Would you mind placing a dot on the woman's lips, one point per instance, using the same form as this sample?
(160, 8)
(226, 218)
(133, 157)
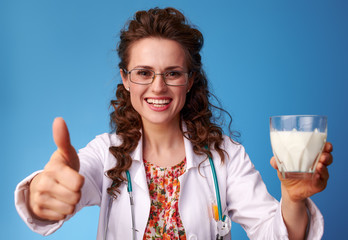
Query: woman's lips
(158, 104)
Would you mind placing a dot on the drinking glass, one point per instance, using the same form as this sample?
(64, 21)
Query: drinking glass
(297, 142)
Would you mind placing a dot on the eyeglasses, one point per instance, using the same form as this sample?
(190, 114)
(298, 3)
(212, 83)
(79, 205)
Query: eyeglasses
(147, 76)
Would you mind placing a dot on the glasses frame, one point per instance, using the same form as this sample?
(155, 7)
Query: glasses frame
(187, 74)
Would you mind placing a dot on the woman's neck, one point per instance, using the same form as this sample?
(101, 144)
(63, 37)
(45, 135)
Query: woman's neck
(163, 144)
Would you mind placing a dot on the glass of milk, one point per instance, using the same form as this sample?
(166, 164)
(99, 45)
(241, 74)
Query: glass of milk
(297, 142)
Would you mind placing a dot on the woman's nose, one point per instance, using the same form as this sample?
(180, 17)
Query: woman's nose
(158, 84)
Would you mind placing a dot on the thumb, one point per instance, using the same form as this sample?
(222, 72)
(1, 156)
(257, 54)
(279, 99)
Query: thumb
(273, 163)
(62, 140)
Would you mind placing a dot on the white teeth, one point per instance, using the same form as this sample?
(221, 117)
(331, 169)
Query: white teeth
(158, 101)
(157, 105)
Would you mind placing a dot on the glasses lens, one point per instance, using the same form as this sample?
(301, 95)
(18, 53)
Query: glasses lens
(175, 78)
(141, 76)
(146, 76)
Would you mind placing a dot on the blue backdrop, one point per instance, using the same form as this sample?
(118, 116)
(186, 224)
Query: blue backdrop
(263, 58)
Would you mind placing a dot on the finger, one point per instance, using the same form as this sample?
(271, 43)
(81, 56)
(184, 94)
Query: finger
(51, 203)
(328, 147)
(50, 184)
(64, 194)
(274, 163)
(62, 140)
(326, 158)
(323, 171)
(69, 178)
(46, 201)
(59, 173)
(48, 214)
(61, 135)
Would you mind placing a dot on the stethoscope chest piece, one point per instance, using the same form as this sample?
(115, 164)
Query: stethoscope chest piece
(224, 226)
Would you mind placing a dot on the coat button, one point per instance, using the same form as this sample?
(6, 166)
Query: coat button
(193, 237)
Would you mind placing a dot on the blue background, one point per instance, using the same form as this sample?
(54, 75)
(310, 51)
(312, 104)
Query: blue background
(263, 58)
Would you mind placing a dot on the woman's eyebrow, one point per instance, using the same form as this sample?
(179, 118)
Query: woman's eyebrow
(174, 67)
(143, 66)
(152, 68)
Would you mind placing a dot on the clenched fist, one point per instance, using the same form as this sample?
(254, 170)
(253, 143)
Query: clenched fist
(54, 193)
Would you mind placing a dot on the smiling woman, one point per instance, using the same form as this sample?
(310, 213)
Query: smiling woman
(162, 41)
(168, 154)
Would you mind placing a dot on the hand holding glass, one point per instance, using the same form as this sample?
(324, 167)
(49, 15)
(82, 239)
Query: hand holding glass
(297, 142)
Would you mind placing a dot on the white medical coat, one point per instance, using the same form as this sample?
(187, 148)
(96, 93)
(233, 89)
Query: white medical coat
(244, 196)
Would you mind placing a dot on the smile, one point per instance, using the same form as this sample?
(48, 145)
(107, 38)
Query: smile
(158, 102)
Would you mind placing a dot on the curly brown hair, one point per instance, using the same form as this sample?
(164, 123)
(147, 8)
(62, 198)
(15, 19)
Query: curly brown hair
(197, 113)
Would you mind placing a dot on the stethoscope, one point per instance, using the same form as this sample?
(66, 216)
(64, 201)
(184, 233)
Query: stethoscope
(131, 201)
(223, 221)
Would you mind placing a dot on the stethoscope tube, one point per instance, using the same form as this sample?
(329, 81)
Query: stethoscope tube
(217, 192)
(131, 200)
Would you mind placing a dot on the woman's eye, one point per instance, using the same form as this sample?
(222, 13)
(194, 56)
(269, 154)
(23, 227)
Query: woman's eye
(144, 73)
(174, 74)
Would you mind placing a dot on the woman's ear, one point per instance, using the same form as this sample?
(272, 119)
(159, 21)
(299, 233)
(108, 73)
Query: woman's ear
(125, 80)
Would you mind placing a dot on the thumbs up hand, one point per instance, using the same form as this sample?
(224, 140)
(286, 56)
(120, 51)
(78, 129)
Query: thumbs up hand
(54, 193)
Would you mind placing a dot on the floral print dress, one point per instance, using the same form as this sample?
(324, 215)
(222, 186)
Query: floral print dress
(164, 220)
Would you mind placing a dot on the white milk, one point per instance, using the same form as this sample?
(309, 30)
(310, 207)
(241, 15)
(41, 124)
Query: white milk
(297, 151)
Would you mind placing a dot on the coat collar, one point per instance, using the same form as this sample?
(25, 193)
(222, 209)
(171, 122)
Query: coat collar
(137, 154)
(192, 159)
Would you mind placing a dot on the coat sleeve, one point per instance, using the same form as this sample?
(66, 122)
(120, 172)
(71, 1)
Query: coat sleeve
(91, 167)
(250, 204)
